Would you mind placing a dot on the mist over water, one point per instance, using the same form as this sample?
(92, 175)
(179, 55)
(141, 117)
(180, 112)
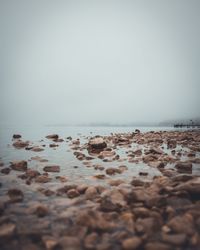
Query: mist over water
(77, 62)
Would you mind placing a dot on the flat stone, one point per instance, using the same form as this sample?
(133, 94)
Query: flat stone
(53, 168)
(19, 165)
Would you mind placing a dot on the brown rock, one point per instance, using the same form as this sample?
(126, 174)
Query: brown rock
(97, 143)
(53, 136)
(112, 171)
(5, 170)
(7, 230)
(42, 179)
(72, 193)
(182, 224)
(112, 200)
(41, 210)
(184, 167)
(53, 168)
(70, 243)
(19, 165)
(131, 243)
(37, 149)
(49, 242)
(174, 239)
(90, 241)
(20, 144)
(91, 193)
(15, 195)
(82, 188)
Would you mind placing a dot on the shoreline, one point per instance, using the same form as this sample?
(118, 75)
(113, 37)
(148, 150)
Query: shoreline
(142, 192)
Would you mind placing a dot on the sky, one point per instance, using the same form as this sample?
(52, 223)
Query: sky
(79, 62)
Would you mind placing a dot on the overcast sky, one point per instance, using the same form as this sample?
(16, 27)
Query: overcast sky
(99, 61)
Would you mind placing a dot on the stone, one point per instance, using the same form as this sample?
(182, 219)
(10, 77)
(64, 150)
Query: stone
(184, 167)
(42, 179)
(182, 224)
(82, 188)
(41, 210)
(90, 241)
(69, 243)
(131, 243)
(72, 193)
(174, 239)
(97, 143)
(19, 165)
(53, 168)
(91, 193)
(20, 144)
(15, 195)
(37, 149)
(112, 200)
(112, 171)
(32, 173)
(7, 230)
(52, 136)
(50, 242)
(157, 246)
(5, 170)
(16, 136)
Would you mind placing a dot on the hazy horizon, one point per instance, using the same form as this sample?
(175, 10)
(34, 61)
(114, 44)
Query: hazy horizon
(83, 62)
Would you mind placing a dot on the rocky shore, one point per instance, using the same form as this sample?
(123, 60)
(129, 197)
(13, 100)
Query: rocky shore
(156, 207)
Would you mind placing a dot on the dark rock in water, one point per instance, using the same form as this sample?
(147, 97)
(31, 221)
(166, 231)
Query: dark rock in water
(184, 167)
(5, 170)
(52, 136)
(19, 165)
(42, 179)
(20, 144)
(15, 195)
(53, 145)
(54, 168)
(137, 131)
(72, 193)
(32, 173)
(96, 144)
(143, 173)
(112, 171)
(37, 149)
(41, 210)
(16, 136)
(65, 189)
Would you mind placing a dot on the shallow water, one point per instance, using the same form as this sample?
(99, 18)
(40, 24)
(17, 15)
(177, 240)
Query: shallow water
(63, 156)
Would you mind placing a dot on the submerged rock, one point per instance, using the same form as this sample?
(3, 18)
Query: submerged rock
(19, 165)
(184, 167)
(96, 144)
(53, 168)
(16, 136)
(52, 136)
(20, 144)
(15, 195)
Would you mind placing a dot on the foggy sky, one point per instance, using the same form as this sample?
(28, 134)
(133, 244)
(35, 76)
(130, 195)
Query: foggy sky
(99, 61)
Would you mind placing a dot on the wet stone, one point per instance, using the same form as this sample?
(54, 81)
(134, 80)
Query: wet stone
(16, 195)
(53, 168)
(19, 165)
